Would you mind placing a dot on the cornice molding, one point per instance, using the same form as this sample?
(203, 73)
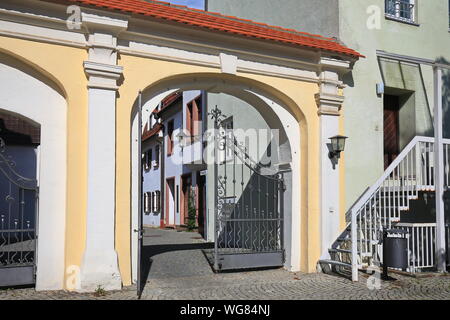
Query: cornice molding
(103, 23)
(139, 37)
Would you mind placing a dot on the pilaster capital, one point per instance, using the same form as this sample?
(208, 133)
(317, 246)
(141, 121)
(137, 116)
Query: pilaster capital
(95, 23)
(328, 100)
(102, 76)
(329, 104)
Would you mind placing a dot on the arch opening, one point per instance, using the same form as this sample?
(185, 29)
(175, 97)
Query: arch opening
(260, 103)
(33, 100)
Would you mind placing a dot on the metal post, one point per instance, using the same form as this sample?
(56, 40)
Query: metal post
(439, 171)
(354, 248)
(216, 208)
(385, 275)
(139, 230)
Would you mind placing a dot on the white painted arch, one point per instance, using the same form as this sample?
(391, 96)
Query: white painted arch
(273, 110)
(27, 93)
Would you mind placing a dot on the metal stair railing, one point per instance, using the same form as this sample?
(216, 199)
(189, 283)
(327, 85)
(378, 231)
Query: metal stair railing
(380, 206)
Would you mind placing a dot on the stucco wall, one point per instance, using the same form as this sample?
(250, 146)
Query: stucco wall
(57, 68)
(363, 108)
(313, 16)
(151, 182)
(245, 117)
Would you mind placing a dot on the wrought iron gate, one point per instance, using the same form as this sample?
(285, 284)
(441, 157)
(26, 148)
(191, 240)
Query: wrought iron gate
(18, 218)
(248, 206)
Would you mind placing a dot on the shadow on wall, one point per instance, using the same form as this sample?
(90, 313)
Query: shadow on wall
(445, 97)
(251, 212)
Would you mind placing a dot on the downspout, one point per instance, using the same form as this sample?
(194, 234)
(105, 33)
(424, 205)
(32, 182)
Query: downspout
(162, 181)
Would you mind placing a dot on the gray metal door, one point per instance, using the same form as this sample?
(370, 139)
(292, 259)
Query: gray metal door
(18, 220)
(248, 206)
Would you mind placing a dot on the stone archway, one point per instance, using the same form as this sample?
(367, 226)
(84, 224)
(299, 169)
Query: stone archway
(276, 114)
(26, 93)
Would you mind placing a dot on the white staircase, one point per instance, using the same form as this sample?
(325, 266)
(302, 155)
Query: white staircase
(359, 246)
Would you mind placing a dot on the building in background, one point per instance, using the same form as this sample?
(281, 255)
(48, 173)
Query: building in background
(403, 109)
(389, 96)
(173, 182)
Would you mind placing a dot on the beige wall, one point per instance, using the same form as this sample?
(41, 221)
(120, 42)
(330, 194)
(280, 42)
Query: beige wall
(142, 73)
(64, 65)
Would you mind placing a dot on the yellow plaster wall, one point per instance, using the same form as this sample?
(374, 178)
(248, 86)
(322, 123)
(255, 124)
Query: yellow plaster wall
(140, 73)
(342, 196)
(64, 66)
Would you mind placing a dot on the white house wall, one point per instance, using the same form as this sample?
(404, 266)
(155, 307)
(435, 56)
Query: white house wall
(151, 183)
(24, 94)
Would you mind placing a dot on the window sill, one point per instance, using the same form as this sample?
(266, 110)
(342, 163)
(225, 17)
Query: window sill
(401, 20)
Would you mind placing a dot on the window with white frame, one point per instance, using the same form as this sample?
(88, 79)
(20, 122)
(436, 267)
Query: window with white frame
(147, 203)
(404, 10)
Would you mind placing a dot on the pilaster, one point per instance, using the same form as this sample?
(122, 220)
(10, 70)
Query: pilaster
(100, 263)
(329, 104)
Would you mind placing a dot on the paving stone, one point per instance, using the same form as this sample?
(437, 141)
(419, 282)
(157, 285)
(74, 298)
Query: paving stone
(186, 275)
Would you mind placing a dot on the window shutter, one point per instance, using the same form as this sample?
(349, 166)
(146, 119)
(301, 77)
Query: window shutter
(157, 156)
(158, 202)
(146, 203)
(153, 202)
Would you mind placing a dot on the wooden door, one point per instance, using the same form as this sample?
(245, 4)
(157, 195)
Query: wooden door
(391, 129)
(201, 203)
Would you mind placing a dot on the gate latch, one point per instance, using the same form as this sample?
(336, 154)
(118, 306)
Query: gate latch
(140, 232)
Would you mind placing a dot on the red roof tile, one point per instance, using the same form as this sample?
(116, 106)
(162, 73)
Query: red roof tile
(150, 133)
(169, 101)
(171, 98)
(218, 22)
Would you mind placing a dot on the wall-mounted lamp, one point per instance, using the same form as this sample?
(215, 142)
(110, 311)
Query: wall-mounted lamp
(337, 146)
(182, 139)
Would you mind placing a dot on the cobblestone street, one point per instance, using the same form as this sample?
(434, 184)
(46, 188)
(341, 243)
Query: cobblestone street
(185, 274)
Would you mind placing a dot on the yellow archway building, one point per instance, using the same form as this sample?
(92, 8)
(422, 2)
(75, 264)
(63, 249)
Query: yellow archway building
(101, 54)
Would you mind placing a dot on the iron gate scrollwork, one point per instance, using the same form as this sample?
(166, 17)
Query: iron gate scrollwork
(248, 206)
(18, 217)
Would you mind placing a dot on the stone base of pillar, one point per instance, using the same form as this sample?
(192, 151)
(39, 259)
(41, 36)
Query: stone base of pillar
(100, 269)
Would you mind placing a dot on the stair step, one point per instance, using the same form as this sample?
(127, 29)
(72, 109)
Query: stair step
(340, 251)
(336, 263)
(361, 241)
(401, 208)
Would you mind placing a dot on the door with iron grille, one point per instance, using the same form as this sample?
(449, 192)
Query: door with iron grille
(248, 205)
(18, 219)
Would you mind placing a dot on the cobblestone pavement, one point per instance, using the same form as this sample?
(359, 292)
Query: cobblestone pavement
(186, 275)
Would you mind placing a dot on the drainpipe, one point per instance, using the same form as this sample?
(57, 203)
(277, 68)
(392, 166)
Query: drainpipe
(439, 171)
(162, 178)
